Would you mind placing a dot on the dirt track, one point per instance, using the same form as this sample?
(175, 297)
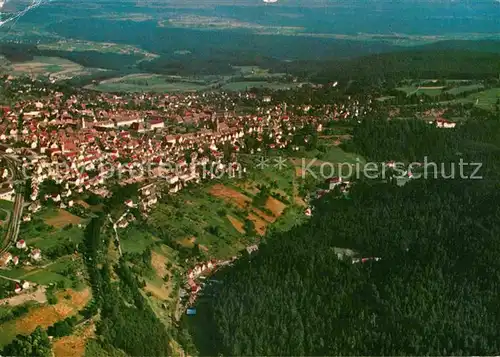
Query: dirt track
(38, 295)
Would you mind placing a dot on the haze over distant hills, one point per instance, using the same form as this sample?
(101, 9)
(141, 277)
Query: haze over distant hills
(206, 37)
(408, 17)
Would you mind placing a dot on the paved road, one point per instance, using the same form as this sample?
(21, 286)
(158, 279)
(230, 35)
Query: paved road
(113, 224)
(8, 278)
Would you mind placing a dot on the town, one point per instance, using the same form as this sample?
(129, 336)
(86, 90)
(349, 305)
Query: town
(65, 153)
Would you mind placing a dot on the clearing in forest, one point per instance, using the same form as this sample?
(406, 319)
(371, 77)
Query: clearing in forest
(159, 263)
(74, 345)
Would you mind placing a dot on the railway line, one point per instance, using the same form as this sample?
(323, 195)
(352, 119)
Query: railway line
(15, 218)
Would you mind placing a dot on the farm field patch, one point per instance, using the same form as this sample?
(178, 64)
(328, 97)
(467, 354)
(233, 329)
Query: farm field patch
(61, 218)
(69, 303)
(237, 224)
(74, 345)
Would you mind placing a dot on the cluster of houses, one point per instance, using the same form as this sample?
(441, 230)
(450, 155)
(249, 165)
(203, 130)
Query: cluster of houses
(20, 287)
(201, 271)
(192, 287)
(81, 141)
(332, 183)
(6, 259)
(84, 141)
(347, 254)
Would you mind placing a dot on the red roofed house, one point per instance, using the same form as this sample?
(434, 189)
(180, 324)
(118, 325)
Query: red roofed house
(156, 124)
(21, 244)
(36, 254)
(333, 182)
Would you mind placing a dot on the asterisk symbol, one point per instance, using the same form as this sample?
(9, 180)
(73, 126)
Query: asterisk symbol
(262, 163)
(280, 163)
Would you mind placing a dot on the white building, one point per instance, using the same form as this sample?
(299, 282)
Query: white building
(21, 244)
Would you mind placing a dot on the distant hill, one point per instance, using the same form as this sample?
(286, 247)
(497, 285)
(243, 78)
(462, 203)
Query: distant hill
(479, 45)
(414, 63)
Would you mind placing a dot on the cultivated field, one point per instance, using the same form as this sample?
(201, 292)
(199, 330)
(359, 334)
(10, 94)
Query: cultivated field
(146, 82)
(69, 303)
(74, 345)
(57, 68)
(61, 218)
(237, 224)
(140, 82)
(104, 47)
(241, 86)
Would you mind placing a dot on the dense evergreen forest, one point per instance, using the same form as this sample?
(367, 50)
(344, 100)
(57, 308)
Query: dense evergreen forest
(434, 292)
(395, 66)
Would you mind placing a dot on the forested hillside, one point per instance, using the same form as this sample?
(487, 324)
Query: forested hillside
(434, 291)
(127, 322)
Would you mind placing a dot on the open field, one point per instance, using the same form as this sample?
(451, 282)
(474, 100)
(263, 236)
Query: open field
(197, 217)
(140, 82)
(6, 205)
(52, 272)
(161, 286)
(430, 91)
(157, 286)
(134, 240)
(69, 303)
(241, 86)
(74, 345)
(275, 206)
(61, 218)
(231, 195)
(49, 238)
(256, 72)
(260, 218)
(159, 261)
(259, 223)
(187, 242)
(57, 68)
(159, 292)
(242, 201)
(464, 89)
(334, 157)
(145, 82)
(103, 47)
(486, 99)
(150, 82)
